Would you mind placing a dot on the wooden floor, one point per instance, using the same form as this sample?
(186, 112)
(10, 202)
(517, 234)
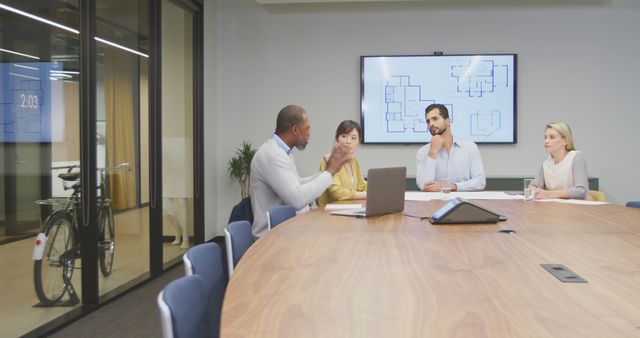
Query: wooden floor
(17, 291)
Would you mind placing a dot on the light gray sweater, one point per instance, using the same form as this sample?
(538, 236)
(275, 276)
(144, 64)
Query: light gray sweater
(578, 167)
(275, 181)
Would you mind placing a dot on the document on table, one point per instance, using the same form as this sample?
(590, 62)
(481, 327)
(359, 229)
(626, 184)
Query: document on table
(336, 206)
(570, 201)
(469, 195)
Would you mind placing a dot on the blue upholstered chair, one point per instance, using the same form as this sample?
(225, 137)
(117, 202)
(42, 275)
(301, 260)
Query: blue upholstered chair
(279, 214)
(238, 238)
(183, 308)
(633, 204)
(205, 260)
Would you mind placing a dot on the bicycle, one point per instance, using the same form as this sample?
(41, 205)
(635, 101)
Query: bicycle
(57, 247)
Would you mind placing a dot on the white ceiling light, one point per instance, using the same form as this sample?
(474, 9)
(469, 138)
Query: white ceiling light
(18, 53)
(25, 67)
(34, 17)
(120, 46)
(25, 76)
(55, 24)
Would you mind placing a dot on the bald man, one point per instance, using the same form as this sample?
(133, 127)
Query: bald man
(274, 177)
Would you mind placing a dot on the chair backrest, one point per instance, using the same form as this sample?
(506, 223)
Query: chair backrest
(633, 204)
(238, 239)
(599, 196)
(205, 260)
(242, 211)
(279, 214)
(183, 308)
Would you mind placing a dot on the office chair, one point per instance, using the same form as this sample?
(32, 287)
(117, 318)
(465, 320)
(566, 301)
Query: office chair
(633, 204)
(183, 308)
(279, 214)
(598, 196)
(238, 239)
(205, 260)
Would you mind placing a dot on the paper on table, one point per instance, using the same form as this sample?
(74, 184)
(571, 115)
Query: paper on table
(342, 206)
(486, 195)
(421, 196)
(570, 201)
(470, 195)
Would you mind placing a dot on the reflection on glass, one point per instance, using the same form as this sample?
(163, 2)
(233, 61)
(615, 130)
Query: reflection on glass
(39, 139)
(122, 120)
(177, 128)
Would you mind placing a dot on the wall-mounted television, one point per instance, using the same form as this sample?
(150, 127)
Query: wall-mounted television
(26, 92)
(479, 91)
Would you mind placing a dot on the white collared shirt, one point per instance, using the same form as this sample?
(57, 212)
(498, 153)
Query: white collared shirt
(462, 166)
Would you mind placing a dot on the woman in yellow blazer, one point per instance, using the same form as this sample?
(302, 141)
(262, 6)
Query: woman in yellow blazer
(348, 183)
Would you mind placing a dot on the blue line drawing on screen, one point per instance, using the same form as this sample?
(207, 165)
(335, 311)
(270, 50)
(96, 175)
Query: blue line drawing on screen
(405, 106)
(484, 123)
(479, 77)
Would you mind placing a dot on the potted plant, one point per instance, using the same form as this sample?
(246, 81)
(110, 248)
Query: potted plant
(239, 167)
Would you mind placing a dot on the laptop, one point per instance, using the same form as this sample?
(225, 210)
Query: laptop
(385, 193)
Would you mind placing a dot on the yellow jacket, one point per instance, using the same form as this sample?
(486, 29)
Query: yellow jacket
(343, 187)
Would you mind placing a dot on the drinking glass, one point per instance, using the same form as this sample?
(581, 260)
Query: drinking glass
(445, 190)
(530, 189)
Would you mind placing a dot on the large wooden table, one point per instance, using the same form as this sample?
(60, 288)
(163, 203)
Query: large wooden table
(319, 275)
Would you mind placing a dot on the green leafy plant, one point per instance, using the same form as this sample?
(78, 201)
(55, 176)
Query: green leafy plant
(239, 167)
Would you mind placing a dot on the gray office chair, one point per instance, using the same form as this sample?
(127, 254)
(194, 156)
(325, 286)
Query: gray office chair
(633, 204)
(183, 308)
(238, 238)
(205, 260)
(279, 214)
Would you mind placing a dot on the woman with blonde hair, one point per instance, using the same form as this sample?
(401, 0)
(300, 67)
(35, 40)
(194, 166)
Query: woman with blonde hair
(348, 183)
(564, 173)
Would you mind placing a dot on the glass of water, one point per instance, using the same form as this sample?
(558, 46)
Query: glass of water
(530, 189)
(445, 189)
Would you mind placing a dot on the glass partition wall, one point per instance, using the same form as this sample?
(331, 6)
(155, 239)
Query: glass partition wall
(41, 152)
(39, 139)
(122, 55)
(177, 128)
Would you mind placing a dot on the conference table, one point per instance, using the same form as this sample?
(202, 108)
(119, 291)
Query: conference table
(322, 275)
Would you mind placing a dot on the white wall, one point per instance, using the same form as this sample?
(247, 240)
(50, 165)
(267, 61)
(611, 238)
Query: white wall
(576, 63)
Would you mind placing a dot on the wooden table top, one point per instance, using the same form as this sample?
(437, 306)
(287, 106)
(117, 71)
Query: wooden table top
(320, 275)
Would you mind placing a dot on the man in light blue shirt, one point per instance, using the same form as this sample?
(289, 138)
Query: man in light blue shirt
(446, 157)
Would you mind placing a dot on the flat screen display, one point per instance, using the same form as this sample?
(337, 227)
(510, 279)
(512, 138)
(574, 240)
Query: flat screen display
(25, 100)
(478, 90)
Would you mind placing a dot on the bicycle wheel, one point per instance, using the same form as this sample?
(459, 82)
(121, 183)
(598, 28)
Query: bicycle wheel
(52, 273)
(107, 242)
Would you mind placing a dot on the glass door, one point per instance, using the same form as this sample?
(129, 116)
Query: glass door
(177, 130)
(122, 36)
(45, 140)
(39, 142)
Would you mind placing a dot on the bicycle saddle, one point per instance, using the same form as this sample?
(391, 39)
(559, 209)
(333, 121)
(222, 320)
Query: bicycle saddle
(72, 176)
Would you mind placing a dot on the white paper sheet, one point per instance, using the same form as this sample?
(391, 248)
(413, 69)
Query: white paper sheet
(470, 195)
(569, 201)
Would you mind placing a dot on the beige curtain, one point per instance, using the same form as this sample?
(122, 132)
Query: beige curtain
(120, 115)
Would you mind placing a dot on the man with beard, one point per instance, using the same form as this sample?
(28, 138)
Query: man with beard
(274, 178)
(447, 158)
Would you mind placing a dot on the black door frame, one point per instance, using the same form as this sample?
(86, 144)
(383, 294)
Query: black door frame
(155, 132)
(91, 298)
